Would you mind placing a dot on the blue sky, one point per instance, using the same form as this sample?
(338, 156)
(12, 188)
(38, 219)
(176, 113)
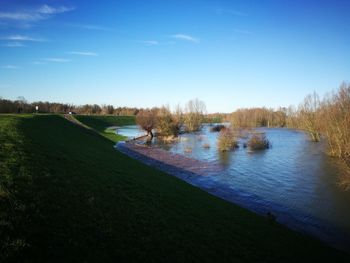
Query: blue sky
(229, 54)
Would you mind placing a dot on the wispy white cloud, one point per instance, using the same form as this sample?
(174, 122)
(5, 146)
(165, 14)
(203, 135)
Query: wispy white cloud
(149, 42)
(45, 9)
(83, 53)
(22, 38)
(23, 16)
(14, 44)
(221, 11)
(59, 60)
(28, 16)
(186, 38)
(10, 67)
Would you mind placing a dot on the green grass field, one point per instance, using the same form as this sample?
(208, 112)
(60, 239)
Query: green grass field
(68, 196)
(101, 124)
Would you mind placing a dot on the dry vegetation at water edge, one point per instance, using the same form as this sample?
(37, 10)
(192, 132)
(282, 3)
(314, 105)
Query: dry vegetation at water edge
(227, 140)
(258, 141)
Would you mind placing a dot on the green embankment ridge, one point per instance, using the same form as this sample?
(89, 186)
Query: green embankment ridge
(68, 196)
(101, 124)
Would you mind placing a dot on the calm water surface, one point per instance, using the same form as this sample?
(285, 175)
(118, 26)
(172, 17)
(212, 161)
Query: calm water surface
(294, 179)
(130, 131)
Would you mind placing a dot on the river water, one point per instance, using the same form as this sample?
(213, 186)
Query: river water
(294, 180)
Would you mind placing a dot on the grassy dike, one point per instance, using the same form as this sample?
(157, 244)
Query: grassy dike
(101, 124)
(66, 195)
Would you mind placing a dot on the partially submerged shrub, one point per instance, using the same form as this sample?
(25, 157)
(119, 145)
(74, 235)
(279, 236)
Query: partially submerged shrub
(168, 139)
(206, 145)
(258, 141)
(167, 124)
(194, 115)
(227, 140)
(188, 150)
(344, 179)
(146, 119)
(217, 128)
(309, 116)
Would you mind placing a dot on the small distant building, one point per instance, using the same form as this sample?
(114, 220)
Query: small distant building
(72, 113)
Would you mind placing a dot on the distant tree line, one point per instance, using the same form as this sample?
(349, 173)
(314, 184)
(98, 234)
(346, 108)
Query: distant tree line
(215, 117)
(326, 118)
(259, 117)
(169, 123)
(22, 106)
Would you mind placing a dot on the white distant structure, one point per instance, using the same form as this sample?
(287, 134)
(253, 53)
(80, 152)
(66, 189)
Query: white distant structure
(37, 108)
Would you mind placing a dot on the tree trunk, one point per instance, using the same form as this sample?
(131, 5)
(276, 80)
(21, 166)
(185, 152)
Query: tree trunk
(150, 135)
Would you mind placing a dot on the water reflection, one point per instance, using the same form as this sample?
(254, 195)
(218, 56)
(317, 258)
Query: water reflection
(130, 131)
(224, 158)
(293, 178)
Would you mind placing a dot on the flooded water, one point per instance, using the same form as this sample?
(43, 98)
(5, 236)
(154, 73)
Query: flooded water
(130, 131)
(294, 179)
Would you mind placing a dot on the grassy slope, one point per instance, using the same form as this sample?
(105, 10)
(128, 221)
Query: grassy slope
(101, 123)
(67, 195)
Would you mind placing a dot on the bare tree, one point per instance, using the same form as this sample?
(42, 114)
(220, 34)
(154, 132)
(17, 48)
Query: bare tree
(168, 124)
(227, 140)
(194, 115)
(21, 101)
(292, 117)
(146, 119)
(107, 109)
(335, 125)
(258, 117)
(178, 115)
(309, 117)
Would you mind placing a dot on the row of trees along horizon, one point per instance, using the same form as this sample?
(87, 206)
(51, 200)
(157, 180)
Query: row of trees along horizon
(325, 118)
(21, 105)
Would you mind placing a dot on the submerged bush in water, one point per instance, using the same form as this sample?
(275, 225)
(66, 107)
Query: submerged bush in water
(258, 141)
(146, 119)
(335, 126)
(188, 150)
(227, 140)
(217, 128)
(206, 146)
(167, 124)
(344, 179)
(194, 115)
